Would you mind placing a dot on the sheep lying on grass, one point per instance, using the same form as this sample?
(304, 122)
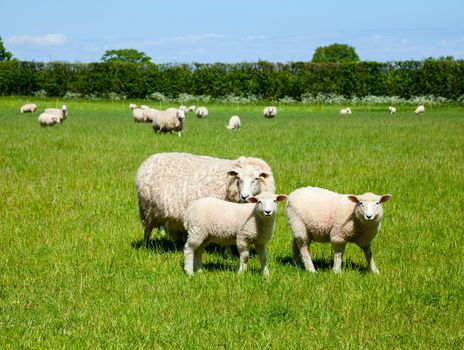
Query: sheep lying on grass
(392, 110)
(61, 112)
(345, 111)
(270, 112)
(28, 108)
(215, 220)
(48, 119)
(167, 183)
(419, 109)
(319, 215)
(234, 123)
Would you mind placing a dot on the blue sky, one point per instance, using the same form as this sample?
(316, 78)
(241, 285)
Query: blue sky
(231, 31)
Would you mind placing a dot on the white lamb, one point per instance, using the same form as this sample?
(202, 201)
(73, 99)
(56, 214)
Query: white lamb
(61, 112)
(28, 108)
(346, 111)
(215, 220)
(270, 112)
(167, 183)
(419, 109)
(392, 110)
(234, 123)
(316, 214)
(48, 119)
(201, 112)
(168, 121)
(132, 106)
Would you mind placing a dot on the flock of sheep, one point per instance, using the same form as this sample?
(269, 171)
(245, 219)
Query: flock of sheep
(50, 116)
(392, 110)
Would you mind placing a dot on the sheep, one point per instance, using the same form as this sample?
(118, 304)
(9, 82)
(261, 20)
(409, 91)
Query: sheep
(48, 119)
(61, 112)
(392, 110)
(215, 220)
(201, 112)
(420, 109)
(168, 121)
(144, 107)
(28, 108)
(132, 106)
(346, 111)
(192, 109)
(270, 112)
(149, 114)
(234, 123)
(167, 183)
(316, 214)
(139, 115)
(183, 109)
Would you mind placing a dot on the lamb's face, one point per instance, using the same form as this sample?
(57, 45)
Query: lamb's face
(266, 203)
(248, 181)
(369, 205)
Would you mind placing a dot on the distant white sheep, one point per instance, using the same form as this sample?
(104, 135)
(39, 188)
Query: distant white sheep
(168, 121)
(192, 109)
(234, 123)
(316, 214)
(345, 111)
(201, 112)
(218, 221)
(132, 106)
(270, 112)
(61, 112)
(48, 119)
(28, 108)
(419, 109)
(139, 115)
(144, 107)
(149, 114)
(392, 110)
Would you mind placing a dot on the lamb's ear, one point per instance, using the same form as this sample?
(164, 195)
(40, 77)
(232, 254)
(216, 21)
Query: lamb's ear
(385, 197)
(281, 197)
(353, 198)
(264, 174)
(252, 199)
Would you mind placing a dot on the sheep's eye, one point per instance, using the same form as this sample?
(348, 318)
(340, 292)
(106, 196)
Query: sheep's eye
(377, 203)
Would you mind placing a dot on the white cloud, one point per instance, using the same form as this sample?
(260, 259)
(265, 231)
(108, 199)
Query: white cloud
(37, 40)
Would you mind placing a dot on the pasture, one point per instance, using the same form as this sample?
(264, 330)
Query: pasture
(74, 273)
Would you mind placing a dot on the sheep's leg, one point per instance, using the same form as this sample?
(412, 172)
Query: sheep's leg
(303, 248)
(178, 133)
(261, 249)
(146, 238)
(338, 249)
(370, 260)
(244, 255)
(189, 253)
(197, 257)
(296, 253)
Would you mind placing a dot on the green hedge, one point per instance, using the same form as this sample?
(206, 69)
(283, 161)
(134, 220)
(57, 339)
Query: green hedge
(264, 79)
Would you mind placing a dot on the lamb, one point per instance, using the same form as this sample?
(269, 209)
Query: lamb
(132, 106)
(201, 112)
(270, 112)
(28, 108)
(48, 119)
(392, 110)
(420, 109)
(167, 183)
(234, 123)
(346, 111)
(215, 220)
(316, 214)
(168, 121)
(139, 115)
(61, 112)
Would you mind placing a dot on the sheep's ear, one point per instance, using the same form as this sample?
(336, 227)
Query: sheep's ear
(232, 173)
(353, 198)
(252, 199)
(281, 197)
(385, 197)
(264, 174)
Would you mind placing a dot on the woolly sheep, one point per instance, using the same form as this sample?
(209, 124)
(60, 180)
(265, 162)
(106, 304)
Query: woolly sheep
(132, 106)
(167, 183)
(168, 121)
(28, 108)
(215, 220)
(48, 119)
(345, 111)
(201, 112)
(192, 109)
(149, 114)
(139, 115)
(270, 112)
(61, 112)
(144, 107)
(391, 110)
(234, 123)
(419, 109)
(183, 108)
(316, 214)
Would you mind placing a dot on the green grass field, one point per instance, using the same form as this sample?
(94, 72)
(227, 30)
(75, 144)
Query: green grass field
(73, 273)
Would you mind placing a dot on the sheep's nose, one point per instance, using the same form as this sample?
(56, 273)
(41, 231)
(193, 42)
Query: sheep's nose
(267, 212)
(244, 197)
(369, 216)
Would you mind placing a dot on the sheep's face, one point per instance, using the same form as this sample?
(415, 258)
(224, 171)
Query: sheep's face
(266, 203)
(369, 205)
(248, 181)
(180, 114)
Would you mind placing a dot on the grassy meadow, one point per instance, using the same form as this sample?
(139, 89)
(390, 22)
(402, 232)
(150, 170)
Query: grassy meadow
(74, 273)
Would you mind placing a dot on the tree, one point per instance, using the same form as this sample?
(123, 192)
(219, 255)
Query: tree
(4, 55)
(125, 55)
(335, 53)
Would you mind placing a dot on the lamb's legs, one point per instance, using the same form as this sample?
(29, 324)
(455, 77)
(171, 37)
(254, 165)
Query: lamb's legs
(197, 257)
(370, 260)
(303, 248)
(338, 249)
(261, 249)
(244, 254)
(189, 252)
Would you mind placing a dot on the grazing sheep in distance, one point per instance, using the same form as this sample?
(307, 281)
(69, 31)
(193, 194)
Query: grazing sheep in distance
(420, 109)
(345, 111)
(61, 112)
(139, 115)
(48, 119)
(132, 106)
(234, 123)
(201, 112)
(28, 108)
(169, 120)
(144, 107)
(218, 221)
(392, 110)
(167, 183)
(316, 214)
(149, 114)
(270, 112)
(192, 109)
